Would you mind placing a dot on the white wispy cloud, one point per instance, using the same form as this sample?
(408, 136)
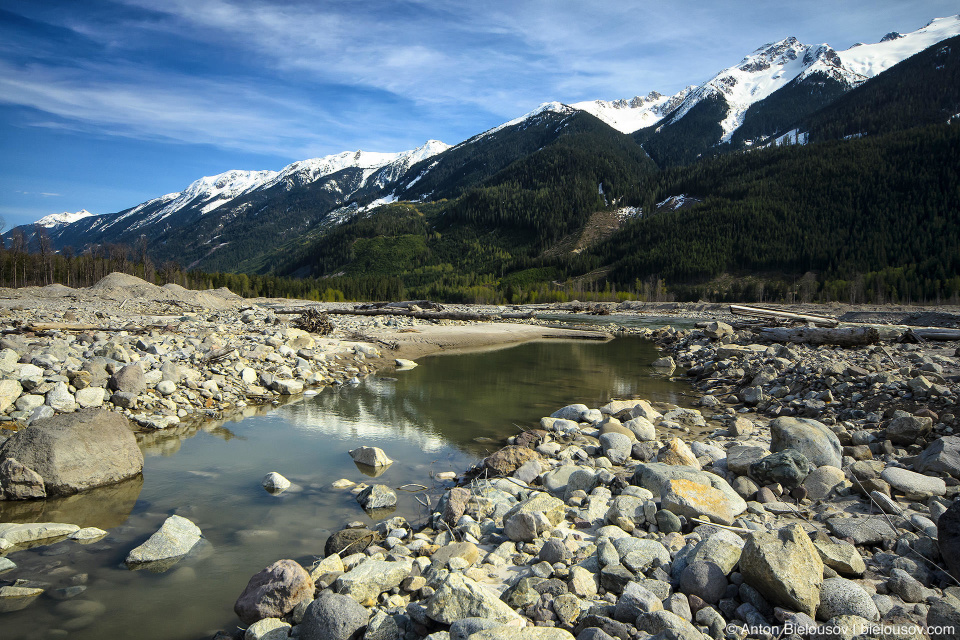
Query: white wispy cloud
(308, 78)
(140, 102)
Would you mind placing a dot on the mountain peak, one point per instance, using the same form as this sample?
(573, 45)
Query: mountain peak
(627, 116)
(57, 219)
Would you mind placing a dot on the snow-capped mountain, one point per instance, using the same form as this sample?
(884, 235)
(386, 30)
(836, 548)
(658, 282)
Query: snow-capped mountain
(626, 116)
(213, 192)
(776, 65)
(57, 219)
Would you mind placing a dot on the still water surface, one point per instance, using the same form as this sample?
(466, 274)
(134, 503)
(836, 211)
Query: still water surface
(427, 419)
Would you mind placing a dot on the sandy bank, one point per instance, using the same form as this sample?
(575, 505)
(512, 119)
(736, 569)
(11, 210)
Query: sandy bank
(428, 339)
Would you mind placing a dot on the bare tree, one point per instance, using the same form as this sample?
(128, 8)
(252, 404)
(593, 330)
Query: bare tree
(18, 245)
(45, 249)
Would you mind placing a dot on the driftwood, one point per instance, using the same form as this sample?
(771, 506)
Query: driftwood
(421, 315)
(934, 333)
(40, 327)
(843, 337)
(314, 320)
(409, 305)
(758, 312)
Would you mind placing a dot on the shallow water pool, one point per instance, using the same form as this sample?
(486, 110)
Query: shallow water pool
(427, 419)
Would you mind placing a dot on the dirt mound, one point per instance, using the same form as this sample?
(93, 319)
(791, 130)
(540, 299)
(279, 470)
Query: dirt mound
(117, 280)
(122, 286)
(224, 293)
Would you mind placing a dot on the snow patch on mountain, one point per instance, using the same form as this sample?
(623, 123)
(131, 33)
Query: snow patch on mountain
(305, 172)
(546, 107)
(868, 60)
(627, 116)
(57, 219)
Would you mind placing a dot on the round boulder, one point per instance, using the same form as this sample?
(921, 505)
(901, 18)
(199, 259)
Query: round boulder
(334, 617)
(274, 592)
(842, 597)
(813, 439)
(704, 579)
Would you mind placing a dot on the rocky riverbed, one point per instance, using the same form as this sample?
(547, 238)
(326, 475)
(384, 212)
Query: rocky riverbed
(820, 505)
(812, 494)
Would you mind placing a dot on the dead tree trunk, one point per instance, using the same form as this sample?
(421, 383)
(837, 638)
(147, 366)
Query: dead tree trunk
(757, 312)
(934, 333)
(421, 315)
(843, 337)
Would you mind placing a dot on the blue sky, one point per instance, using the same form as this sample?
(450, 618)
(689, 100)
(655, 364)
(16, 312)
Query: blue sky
(107, 103)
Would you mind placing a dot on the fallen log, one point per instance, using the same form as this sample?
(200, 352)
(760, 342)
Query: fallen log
(842, 337)
(934, 333)
(422, 305)
(420, 315)
(759, 312)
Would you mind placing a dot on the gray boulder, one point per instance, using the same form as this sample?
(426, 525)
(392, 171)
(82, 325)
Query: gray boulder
(18, 482)
(371, 578)
(175, 538)
(656, 477)
(785, 567)
(463, 629)
(377, 496)
(723, 548)
(813, 439)
(942, 456)
(642, 428)
(77, 451)
(460, 597)
(914, 485)
(842, 597)
(616, 446)
(869, 530)
(667, 623)
(130, 379)
(334, 617)
(788, 467)
(908, 429)
(634, 601)
(570, 412)
(705, 580)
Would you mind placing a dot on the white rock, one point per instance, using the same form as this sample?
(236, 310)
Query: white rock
(166, 387)
(913, 484)
(88, 533)
(370, 456)
(174, 539)
(90, 397)
(60, 399)
(33, 531)
(275, 483)
(9, 392)
(267, 629)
